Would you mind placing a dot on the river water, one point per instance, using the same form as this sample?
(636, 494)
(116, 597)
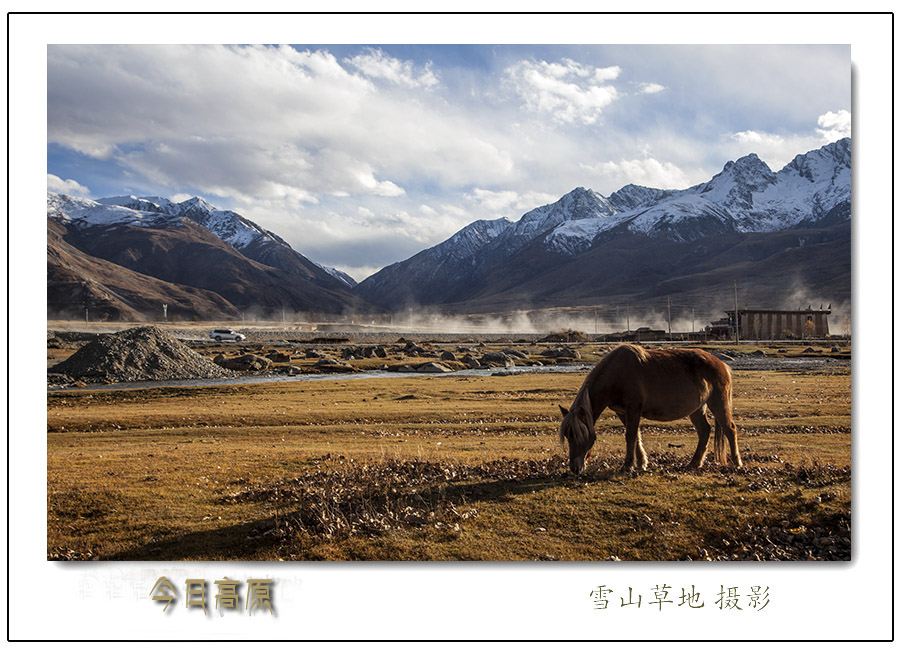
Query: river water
(742, 363)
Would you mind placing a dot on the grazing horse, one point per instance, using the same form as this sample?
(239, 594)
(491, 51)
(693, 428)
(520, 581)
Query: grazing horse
(659, 385)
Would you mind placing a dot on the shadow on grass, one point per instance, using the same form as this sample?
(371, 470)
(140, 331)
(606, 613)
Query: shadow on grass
(302, 512)
(332, 504)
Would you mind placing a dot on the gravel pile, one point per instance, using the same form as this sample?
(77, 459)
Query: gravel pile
(137, 354)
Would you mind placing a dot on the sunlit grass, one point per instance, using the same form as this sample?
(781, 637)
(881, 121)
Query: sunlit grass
(147, 474)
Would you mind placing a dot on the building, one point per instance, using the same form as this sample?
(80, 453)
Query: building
(773, 324)
(645, 334)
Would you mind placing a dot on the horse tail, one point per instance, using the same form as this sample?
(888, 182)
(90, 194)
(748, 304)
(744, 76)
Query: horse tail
(724, 414)
(719, 443)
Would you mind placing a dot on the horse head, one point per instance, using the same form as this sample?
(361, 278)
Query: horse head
(577, 428)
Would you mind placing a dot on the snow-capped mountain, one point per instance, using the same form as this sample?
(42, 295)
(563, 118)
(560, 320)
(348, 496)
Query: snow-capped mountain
(340, 275)
(233, 263)
(242, 234)
(233, 228)
(746, 197)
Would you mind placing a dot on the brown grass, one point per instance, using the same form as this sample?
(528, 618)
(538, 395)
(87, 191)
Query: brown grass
(436, 468)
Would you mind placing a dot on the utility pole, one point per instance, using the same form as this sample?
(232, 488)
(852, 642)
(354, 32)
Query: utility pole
(669, 317)
(735, 292)
(692, 320)
(628, 328)
(165, 313)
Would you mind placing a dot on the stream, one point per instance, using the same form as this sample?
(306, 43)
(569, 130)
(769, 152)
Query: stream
(742, 363)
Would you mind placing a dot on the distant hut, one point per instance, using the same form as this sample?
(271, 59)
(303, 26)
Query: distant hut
(772, 324)
(642, 334)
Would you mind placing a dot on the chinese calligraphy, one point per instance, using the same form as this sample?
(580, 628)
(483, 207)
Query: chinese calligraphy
(259, 594)
(163, 584)
(728, 598)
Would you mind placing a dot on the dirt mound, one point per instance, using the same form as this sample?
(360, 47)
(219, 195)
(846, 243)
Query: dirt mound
(565, 336)
(137, 354)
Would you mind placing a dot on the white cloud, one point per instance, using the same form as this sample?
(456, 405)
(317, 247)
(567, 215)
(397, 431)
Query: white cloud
(751, 137)
(644, 172)
(568, 91)
(264, 122)
(495, 201)
(366, 157)
(778, 149)
(511, 204)
(67, 186)
(834, 125)
(650, 87)
(376, 64)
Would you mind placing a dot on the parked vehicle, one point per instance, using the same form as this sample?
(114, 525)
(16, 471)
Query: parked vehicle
(226, 335)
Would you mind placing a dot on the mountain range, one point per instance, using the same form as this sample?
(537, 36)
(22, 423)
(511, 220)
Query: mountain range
(123, 257)
(772, 232)
(747, 223)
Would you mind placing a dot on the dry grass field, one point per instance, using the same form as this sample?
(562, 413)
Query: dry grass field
(438, 468)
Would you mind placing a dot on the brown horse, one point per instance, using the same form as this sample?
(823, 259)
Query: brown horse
(655, 384)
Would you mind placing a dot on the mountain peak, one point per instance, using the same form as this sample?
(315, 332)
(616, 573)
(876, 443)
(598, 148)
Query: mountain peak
(196, 206)
(831, 156)
(632, 196)
(750, 168)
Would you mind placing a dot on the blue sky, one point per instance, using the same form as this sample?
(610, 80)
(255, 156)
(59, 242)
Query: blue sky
(362, 155)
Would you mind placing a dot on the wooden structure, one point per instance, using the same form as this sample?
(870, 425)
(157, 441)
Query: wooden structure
(773, 324)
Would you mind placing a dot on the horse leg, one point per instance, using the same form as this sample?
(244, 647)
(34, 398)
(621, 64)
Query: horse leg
(630, 450)
(641, 457)
(699, 420)
(634, 451)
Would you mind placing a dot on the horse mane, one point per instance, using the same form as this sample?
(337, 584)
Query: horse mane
(580, 415)
(579, 434)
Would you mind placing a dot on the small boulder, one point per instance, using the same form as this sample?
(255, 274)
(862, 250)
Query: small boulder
(246, 363)
(497, 358)
(470, 360)
(432, 366)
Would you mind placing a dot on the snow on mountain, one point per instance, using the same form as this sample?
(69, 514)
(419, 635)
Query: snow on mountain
(340, 275)
(232, 228)
(66, 208)
(471, 239)
(632, 196)
(152, 204)
(579, 212)
(746, 196)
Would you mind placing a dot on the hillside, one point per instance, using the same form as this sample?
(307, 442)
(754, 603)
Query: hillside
(774, 232)
(200, 261)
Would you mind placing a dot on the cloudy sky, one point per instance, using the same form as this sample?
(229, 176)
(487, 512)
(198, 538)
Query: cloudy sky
(360, 156)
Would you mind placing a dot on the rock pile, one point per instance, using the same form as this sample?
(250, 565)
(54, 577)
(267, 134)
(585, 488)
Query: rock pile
(244, 363)
(137, 354)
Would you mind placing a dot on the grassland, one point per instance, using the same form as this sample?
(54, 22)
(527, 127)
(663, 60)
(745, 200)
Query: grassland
(437, 468)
